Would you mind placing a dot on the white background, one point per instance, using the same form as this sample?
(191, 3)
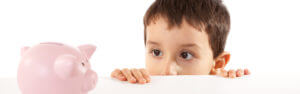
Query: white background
(263, 37)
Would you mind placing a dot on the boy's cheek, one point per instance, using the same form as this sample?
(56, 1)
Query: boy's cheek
(152, 67)
(153, 70)
(200, 67)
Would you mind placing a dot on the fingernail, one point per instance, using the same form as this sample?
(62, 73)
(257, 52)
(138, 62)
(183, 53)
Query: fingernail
(148, 80)
(142, 81)
(133, 80)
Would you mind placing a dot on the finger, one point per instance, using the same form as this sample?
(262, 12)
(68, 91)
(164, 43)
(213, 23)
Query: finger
(239, 73)
(145, 74)
(246, 72)
(231, 74)
(223, 73)
(127, 73)
(218, 72)
(138, 75)
(118, 75)
(115, 72)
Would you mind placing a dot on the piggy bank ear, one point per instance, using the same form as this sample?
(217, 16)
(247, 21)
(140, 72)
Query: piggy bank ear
(65, 66)
(23, 50)
(87, 50)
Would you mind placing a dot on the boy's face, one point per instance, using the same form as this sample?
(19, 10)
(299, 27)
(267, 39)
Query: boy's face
(180, 50)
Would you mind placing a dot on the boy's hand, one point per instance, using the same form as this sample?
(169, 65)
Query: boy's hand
(131, 75)
(232, 73)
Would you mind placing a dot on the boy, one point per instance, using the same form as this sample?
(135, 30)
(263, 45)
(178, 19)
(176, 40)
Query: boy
(184, 37)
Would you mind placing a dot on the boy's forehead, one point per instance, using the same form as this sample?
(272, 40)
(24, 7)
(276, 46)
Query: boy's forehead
(161, 22)
(158, 23)
(159, 32)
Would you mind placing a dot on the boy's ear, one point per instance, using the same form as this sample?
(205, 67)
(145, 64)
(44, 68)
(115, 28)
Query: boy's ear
(222, 60)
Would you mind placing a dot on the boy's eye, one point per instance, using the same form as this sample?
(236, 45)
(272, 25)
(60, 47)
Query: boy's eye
(186, 55)
(156, 52)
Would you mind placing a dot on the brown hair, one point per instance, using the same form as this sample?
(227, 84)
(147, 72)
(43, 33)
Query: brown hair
(208, 15)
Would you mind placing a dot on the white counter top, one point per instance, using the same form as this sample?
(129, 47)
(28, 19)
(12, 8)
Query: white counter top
(183, 85)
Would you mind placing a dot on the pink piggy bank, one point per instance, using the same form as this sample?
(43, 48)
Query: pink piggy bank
(55, 68)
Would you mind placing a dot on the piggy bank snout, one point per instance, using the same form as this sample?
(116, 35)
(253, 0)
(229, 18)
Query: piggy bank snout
(92, 75)
(90, 81)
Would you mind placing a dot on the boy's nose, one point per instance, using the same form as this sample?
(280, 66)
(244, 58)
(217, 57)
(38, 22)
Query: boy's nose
(170, 69)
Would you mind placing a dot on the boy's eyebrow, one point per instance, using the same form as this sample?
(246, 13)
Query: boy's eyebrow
(190, 45)
(152, 42)
(184, 45)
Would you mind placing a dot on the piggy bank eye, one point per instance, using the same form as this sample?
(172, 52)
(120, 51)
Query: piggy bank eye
(82, 63)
